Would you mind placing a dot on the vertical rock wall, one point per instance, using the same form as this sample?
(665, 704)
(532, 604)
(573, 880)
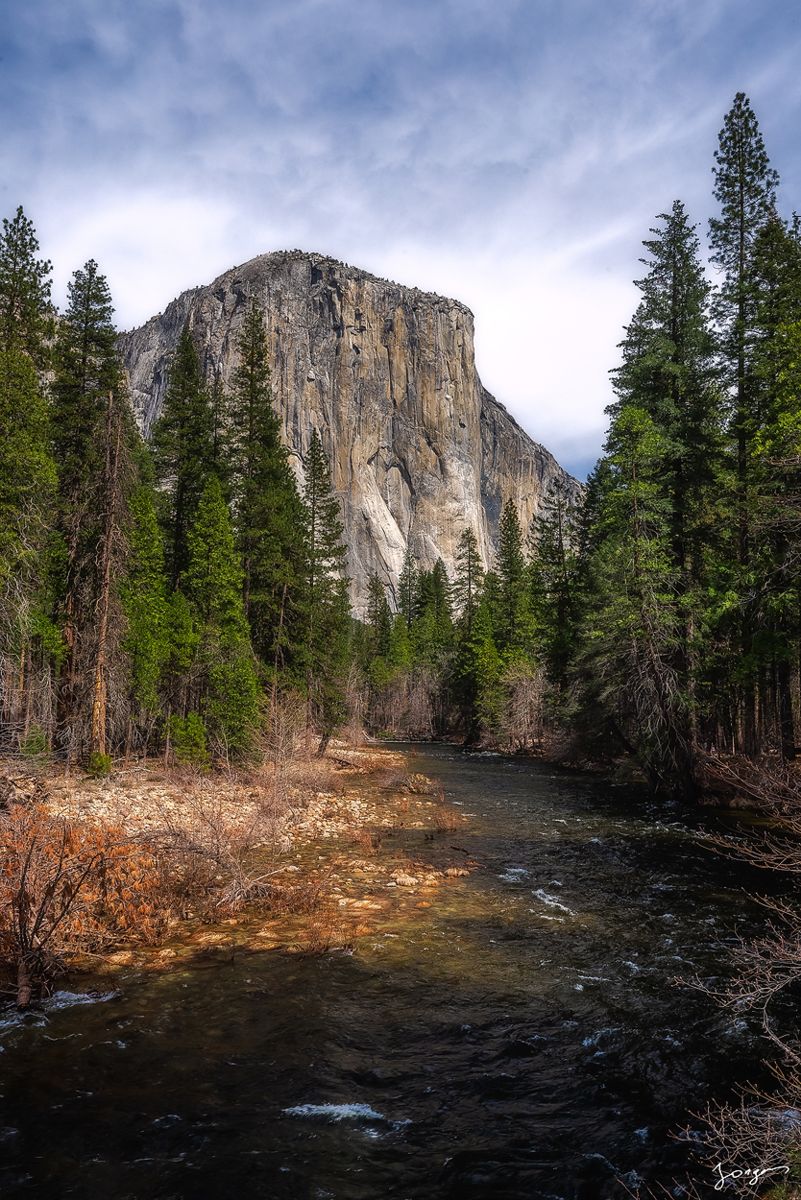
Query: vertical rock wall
(387, 374)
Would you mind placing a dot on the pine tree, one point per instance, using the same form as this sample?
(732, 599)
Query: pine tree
(93, 437)
(553, 543)
(432, 630)
(183, 451)
(27, 498)
(226, 691)
(325, 600)
(407, 588)
(146, 606)
(219, 410)
(27, 469)
(86, 370)
(745, 188)
(469, 580)
(379, 618)
(513, 611)
(632, 624)
(482, 668)
(267, 504)
(775, 476)
(25, 311)
(400, 647)
(669, 372)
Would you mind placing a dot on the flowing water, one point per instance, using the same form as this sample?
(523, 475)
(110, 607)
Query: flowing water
(523, 1037)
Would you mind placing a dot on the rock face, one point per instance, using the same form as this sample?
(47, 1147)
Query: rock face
(386, 374)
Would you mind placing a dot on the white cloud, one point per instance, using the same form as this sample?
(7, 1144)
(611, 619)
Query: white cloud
(512, 155)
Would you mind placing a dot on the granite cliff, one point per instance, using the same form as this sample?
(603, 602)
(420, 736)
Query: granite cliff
(418, 447)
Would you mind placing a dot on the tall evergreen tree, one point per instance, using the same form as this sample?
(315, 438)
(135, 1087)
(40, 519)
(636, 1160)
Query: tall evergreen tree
(632, 624)
(669, 372)
(480, 668)
(469, 580)
(407, 588)
(28, 638)
(183, 451)
(27, 494)
(86, 370)
(745, 188)
(513, 611)
(553, 543)
(776, 479)
(379, 617)
(92, 436)
(432, 630)
(325, 599)
(267, 504)
(146, 606)
(225, 687)
(25, 311)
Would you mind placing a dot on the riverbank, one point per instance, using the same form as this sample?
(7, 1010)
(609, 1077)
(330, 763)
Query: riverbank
(307, 859)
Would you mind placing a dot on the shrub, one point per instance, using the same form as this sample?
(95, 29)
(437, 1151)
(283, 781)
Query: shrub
(99, 765)
(67, 889)
(34, 744)
(189, 743)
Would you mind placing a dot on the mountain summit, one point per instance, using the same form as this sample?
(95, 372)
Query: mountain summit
(418, 448)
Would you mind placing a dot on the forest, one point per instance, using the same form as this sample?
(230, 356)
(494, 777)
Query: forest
(185, 599)
(659, 618)
(166, 597)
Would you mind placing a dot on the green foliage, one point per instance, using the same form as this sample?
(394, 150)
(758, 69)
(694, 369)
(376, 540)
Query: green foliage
(187, 737)
(469, 580)
(325, 635)
(379, 619)
(183, 451)
(145, 603)
(227, 685)
(485, 668)
(513, 623)
(27, 479)
(34, 745)
(268, 512)
(632, 624)
(745, 188)
(86, 370)
(25, 314)
(99, 765)
(407, 588)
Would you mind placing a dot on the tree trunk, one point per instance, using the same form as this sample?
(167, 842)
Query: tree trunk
(24, 984)
(99, 738)
(785, 711)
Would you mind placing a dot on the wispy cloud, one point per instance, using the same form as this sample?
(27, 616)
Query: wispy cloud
(513, 154)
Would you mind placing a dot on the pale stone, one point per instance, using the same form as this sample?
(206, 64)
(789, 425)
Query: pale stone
(386, 374)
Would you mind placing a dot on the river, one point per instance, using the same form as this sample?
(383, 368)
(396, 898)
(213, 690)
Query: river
(522, 1037)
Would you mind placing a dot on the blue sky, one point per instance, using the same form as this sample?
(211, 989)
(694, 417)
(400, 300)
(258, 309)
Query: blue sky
(512, 153)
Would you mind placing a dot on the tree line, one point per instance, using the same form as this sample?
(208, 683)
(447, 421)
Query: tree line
(660, 617)
(166, 596)
(152, 597)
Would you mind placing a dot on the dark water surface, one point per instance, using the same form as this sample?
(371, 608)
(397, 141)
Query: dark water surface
(522, 1037)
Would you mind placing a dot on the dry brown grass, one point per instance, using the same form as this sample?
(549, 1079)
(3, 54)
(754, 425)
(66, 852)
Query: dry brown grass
(68, 889)
(326, 931)
(444, 818)
(309, 894)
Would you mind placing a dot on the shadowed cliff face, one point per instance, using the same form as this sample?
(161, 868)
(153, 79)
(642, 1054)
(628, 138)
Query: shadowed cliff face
(387, 374)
